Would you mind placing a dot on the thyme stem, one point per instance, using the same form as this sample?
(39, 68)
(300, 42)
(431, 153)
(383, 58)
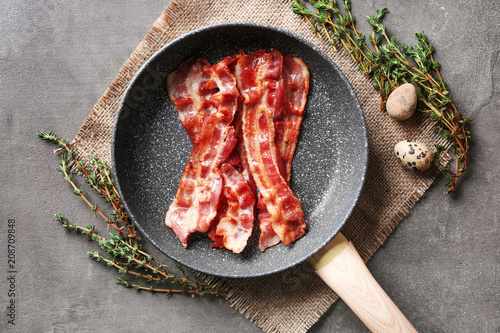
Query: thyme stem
(390, 65)
(124, 247)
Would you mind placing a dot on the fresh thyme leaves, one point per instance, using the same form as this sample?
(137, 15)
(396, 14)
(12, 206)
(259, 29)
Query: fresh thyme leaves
(122, 250)
(389, 65)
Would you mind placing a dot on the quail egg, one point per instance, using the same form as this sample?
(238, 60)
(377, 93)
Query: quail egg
(413, 155)
(402, 102)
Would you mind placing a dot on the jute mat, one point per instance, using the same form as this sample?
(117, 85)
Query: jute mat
(295, 299)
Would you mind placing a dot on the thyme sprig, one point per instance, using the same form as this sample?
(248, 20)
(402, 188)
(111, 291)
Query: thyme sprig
(99, 179)
(123, 249)
(389, 65)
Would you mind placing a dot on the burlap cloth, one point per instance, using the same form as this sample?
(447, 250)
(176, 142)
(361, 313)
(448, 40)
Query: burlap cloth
(293, 300)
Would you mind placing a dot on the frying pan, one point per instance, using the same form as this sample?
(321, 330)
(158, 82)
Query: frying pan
(150, 148)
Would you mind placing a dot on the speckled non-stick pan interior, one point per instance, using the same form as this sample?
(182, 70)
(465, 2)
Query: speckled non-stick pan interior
(150, 148)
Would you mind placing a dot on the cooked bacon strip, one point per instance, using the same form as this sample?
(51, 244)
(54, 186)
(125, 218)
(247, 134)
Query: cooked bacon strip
(187, 88)
(236, 226)
(286, 126)
(195, 205)
(261, 84)
(233, 224)
(239, 158)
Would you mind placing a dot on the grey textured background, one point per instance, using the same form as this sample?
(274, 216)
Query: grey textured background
(441, 267)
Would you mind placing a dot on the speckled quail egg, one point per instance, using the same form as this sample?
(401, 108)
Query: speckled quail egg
(413, 155)
(402, 102)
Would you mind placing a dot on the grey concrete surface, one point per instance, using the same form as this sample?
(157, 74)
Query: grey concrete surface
(441, 266)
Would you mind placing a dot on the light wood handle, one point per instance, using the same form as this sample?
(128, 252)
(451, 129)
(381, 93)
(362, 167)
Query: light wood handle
(349, 277)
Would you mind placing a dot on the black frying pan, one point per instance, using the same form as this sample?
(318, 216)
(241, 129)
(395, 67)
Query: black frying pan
(150, 148)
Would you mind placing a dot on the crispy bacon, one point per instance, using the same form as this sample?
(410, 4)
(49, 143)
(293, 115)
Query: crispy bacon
(239, 158)
(232, 211)
(236, 226)
(195, 205)
(259, 78)
(287, 126)
(192, 88)
(236, 212)
(187, 88)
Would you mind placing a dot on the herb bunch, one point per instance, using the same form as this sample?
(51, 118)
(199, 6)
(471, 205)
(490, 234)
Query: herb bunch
(389, 65)
(122, 249)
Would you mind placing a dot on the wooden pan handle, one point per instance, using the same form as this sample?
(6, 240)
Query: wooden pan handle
(349, 277)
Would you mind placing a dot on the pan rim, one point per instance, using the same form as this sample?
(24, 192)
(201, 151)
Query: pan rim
(364, 152)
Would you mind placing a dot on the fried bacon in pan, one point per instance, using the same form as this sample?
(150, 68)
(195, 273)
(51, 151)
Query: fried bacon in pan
(217, 191)
(286, 127)
(260, 81)
(235, 227)
(233, 223)
(195, 204)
